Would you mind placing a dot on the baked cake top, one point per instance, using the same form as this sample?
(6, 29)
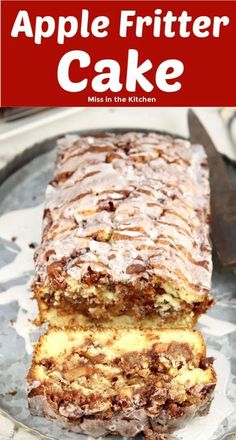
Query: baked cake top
(129, 208)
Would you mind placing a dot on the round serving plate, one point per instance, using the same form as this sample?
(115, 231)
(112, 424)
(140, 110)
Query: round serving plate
(23, 184)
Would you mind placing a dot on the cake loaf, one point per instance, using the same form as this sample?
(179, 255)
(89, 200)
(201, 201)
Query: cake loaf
(120, 381)
(125, 237)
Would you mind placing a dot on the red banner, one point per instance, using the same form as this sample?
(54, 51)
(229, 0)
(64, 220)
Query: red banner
(118, 53)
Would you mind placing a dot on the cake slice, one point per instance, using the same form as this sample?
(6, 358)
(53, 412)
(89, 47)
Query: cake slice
(125, 237)
(120, 381)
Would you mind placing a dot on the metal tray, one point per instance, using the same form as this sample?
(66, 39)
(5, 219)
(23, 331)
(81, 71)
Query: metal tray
(21, 196)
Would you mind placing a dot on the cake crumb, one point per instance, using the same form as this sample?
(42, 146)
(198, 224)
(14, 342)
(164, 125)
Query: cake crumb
(33, 245)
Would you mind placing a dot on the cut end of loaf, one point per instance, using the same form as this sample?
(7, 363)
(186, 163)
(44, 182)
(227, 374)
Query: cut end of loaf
(66, 316)
(159, 305)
